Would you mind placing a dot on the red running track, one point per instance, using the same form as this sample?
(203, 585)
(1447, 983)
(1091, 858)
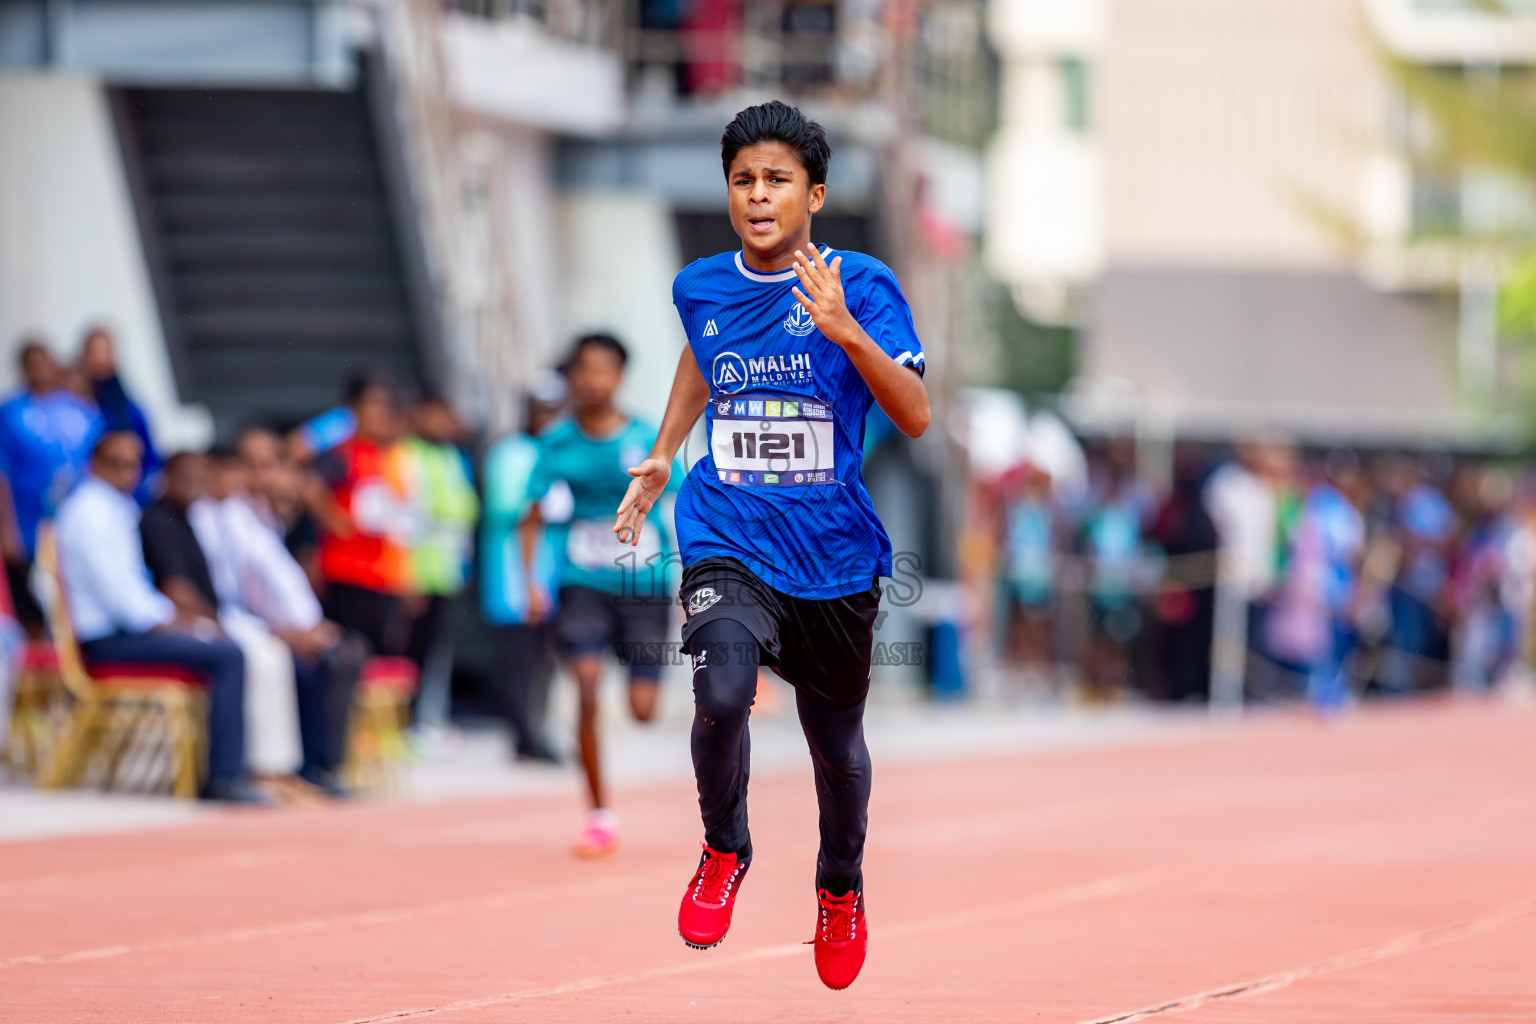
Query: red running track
(1274, 872)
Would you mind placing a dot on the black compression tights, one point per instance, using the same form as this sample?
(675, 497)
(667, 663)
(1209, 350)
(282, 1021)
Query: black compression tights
(723, 689)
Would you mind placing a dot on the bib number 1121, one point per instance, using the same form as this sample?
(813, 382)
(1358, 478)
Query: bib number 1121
(767, 445)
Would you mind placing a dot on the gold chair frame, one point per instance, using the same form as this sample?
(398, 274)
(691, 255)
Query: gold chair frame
(121, 731)
(376, 745)
(39, 709)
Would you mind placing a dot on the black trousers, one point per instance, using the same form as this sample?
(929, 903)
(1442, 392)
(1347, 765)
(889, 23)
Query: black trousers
(726, 661)
(325, 686)
(28, 612)
(379, 617)
(219, 660)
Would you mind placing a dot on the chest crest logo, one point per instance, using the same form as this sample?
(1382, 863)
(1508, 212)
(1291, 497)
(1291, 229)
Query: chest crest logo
(799, 322)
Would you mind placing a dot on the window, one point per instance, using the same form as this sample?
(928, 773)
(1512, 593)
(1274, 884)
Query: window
(1073, 75)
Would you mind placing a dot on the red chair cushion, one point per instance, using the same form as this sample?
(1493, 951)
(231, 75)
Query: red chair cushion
(110, 673)
(39, 656)
(394, 675)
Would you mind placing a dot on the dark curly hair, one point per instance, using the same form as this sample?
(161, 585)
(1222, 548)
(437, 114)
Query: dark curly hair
(778, 122)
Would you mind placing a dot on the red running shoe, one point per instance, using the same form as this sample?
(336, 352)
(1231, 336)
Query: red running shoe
(841, 938)
(705, 915)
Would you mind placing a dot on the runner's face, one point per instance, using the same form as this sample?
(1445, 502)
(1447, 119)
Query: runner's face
(771, 199)
(594, 377)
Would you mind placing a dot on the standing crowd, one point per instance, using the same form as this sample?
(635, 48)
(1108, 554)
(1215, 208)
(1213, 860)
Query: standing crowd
(1329, 575)
(277, 570)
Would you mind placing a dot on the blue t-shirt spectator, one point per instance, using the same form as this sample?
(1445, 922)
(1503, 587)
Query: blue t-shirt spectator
(45, 442)
(1428, 523)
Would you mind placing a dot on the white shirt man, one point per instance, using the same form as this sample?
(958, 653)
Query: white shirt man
(268, 607)
(120, 618)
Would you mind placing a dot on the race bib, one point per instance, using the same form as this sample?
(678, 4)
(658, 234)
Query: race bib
(773, 442)
(593, 545)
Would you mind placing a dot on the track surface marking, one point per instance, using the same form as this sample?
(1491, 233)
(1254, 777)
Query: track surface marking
(1279, 871)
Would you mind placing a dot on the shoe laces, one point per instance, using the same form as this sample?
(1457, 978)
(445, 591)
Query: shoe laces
(839, 916)
(716, 878)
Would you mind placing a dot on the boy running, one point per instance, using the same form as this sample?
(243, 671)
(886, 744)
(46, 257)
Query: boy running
(781, 548)
(606, 597)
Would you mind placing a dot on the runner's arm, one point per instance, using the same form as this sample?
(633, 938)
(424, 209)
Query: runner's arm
(897, 388)
(690, 393)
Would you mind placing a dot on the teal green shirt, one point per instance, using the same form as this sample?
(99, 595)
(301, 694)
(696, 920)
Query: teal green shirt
(503, 590)
(595, 469)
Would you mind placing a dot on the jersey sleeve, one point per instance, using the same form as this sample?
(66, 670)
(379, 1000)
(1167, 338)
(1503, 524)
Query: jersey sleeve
(680, 303)
(883, 312)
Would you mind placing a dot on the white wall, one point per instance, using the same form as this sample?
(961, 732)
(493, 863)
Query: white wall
(512, 70)
(1044, 186)
(626, 289)
(69, 246)
(1225, 123)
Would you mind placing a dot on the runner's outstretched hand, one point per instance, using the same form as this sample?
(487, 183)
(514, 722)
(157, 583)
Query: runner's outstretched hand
(650, 479)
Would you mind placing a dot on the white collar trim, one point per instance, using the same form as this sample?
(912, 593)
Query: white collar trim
(783, 275)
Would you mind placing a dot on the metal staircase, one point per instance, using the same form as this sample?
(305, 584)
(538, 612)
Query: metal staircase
(281, 246)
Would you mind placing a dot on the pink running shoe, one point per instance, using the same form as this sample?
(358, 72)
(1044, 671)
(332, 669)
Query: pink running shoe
(600, 836)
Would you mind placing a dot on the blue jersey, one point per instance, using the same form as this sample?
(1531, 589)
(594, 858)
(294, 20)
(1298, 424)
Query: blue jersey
(780, 488)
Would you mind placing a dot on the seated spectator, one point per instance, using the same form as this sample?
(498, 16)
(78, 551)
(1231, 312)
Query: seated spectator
(172, 554)
(265, 598)
(359, 499)
(46, 435)
(276, 496)
(98, 362)
(120, 617)
(181, 567)
(11, 641)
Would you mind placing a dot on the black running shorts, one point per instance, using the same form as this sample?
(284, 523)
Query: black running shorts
(591, 621)
(822, 648)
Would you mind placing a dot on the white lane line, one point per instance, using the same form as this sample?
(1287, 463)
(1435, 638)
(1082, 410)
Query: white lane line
(1409, 943)
(367, 918)
(1103, 888)
(502, 829)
